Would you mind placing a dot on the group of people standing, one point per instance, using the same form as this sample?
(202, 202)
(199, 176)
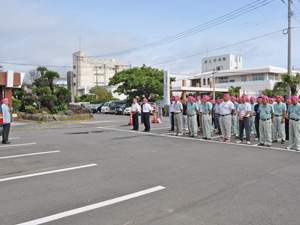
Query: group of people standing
(145, 110)
(266, 118)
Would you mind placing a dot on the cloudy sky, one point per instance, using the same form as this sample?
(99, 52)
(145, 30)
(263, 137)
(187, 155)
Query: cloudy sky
(46, 32)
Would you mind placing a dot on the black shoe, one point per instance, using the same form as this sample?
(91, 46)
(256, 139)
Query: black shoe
(274, 141)
(268, 145)
(282, 141)
(191, 135)
(219, 132)
(236, 137)
(8, 142)
(144, 131)
(205, 138)
(208, 138)
(260, 144)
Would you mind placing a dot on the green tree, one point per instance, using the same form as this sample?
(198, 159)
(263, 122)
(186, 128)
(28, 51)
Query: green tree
(50, 75)
(62, 93)
(139, 82)
(42, 70)
(102, 95)
(268, 92)
(234, 91)
(292, 81)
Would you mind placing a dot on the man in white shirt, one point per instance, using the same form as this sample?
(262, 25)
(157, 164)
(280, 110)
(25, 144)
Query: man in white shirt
(244, 110)
(146, 113)
(198, 102)
(226, 112)
(135, 114)
(178, 108)
(172, 113)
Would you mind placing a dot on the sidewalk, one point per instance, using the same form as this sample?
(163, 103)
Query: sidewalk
(19, 124)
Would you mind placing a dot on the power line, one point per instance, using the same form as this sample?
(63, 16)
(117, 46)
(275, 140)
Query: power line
(219, 20)
(35, 65)
(230, 45)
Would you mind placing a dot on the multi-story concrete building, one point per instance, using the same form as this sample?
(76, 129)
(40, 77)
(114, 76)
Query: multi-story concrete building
(88, 73)
(253, 81)
(222, 62)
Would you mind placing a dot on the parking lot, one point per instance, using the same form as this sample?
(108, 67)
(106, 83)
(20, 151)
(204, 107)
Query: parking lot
(101, 172)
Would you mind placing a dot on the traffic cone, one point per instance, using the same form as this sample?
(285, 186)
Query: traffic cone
(130, 120)
(154, 119)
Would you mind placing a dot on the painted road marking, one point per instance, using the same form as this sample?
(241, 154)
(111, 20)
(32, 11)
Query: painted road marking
(92, 207)
(6, 145)
(11, 138)
(45, 173)
(29, 154)
(195, 139)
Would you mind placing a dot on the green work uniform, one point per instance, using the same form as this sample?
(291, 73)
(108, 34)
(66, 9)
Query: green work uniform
(206, 120)
(294, 125)
(278, 126)
(265, 123)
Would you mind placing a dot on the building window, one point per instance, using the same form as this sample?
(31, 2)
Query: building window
(74, 67)
(218, 68)
(231, 81)
(209, 61)
(204, 81)
(276, 77)
(271, 76)
(220, 59)
(223, 79)
(208, 81)
(224, 58)
(205, 61)
(194, 82)
(244, 78)
(256, 77)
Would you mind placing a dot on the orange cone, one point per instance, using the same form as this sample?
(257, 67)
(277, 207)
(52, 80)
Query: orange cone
(130, 120)
(154, 119)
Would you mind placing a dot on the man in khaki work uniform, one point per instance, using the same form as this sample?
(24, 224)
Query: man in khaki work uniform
(266, 113)
(192, 113)
(279, 119)
(294, 127)
(178, 108)
(206, 118)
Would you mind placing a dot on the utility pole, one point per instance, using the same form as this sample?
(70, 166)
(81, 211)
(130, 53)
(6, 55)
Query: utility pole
(214, 87)
(290, 73)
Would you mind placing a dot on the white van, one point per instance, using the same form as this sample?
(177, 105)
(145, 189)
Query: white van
(106, 107)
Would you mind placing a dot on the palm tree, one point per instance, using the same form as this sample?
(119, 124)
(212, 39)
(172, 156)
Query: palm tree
(268, 92)
(234, 91)
(42, 70)
(292, 81)
(280, 87)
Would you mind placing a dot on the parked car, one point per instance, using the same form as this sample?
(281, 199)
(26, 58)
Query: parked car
(121, 109)
(114, 105)
(105, 108)
(97, 108)
(127, 110)
(110, 107)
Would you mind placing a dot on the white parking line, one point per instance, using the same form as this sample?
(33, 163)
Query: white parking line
(11, 138)
(48, 172)
(30, 154)
(6, 145)
(92, 207)
(160, 128)
(195, 139)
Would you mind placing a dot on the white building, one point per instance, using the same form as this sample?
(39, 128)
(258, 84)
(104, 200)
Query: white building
(88, 73)
(61, 82)
(222, 62)
(253, 81)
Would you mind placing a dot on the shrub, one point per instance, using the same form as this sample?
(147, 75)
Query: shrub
(31, 109)
(16, 104)
(59, 108)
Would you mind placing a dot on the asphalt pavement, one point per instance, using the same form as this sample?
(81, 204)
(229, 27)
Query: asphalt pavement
(102, 172)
